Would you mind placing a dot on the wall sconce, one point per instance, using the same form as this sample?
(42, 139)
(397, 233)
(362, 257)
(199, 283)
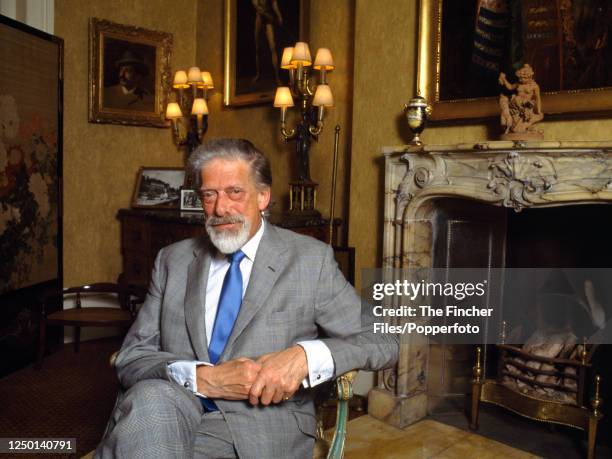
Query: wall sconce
(312, 99)
(193, 102)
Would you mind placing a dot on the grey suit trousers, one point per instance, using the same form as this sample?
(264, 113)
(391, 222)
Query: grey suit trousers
(159, 419)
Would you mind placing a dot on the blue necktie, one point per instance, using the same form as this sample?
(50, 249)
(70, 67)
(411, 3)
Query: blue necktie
(227, 311)
(229, 306)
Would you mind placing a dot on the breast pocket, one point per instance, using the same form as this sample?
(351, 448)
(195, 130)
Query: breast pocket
(281, 317)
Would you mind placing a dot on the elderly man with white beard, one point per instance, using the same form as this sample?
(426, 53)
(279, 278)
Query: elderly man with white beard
(236, 329)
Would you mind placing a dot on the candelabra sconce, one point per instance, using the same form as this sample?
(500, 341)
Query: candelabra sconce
(188, 130)
(312, 97)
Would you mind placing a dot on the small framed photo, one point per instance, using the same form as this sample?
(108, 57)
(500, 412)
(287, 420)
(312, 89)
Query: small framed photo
(129, 74)
(158, 188)
(190, 200)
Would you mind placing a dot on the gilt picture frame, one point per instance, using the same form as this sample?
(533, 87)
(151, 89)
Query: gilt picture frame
(548, 34)
(129, 74)
(249, 69)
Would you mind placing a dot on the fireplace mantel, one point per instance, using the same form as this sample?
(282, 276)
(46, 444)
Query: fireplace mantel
(515, 175)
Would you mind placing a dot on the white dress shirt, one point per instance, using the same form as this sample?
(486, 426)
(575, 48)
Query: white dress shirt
(318, 355)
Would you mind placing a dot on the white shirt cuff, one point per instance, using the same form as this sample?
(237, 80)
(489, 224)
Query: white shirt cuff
(183, 372)
(320, 362)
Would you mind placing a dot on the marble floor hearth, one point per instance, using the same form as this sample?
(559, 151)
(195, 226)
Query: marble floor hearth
(373, 439)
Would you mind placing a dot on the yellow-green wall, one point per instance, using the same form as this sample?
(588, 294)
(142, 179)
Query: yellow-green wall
(374, 46)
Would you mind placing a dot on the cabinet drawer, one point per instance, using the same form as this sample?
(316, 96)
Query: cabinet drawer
(134, 234)
(136, 267)
(168, 233)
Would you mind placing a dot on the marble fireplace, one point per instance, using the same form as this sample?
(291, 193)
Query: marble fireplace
(477, 187)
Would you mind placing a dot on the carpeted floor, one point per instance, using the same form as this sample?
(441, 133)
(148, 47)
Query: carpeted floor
(70, 397)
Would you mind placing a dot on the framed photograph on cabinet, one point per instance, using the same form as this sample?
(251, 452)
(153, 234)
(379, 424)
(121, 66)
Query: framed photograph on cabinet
(190, 200)
(158, 188)
(129, 74)
(256, 32)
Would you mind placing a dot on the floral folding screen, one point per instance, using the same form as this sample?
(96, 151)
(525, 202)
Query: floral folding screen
(30, 185)
(30, 130)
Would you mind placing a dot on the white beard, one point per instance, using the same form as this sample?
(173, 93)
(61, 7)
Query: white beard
(228, 241)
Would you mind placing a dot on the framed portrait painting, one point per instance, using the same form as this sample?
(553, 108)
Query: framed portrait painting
(129, 74)
(256, 32)
(158, 188)
(464, 46)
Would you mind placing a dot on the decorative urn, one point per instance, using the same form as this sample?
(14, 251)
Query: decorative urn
(417, 112)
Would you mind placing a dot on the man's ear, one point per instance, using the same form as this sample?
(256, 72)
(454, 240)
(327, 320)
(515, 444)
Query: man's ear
(263, 198)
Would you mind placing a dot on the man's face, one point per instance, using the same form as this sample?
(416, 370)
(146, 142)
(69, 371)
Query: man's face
(232, 203)
(129, 77)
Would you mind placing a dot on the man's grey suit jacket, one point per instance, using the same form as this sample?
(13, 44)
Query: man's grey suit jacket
(295, 290)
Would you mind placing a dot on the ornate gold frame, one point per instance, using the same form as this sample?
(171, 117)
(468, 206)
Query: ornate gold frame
(230, 98)
(99, 29)
(428, 80)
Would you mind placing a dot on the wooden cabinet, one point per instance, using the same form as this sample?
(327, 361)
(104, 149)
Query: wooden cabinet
(144, 232)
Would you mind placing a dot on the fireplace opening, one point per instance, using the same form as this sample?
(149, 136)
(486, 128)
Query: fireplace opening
(469, 234)
(576, 236)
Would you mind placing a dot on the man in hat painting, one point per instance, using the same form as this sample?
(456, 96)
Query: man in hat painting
(130, 93)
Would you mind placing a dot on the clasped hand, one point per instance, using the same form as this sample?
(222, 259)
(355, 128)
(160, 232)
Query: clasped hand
(271, 378)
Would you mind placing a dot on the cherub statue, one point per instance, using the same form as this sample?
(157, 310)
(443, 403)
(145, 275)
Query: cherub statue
(523, 109)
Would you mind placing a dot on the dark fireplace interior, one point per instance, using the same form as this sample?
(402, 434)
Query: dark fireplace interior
(469, 234)
(575, 236)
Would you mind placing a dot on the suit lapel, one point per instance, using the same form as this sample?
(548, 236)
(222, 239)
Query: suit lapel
(195, 299)
(270, 261)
